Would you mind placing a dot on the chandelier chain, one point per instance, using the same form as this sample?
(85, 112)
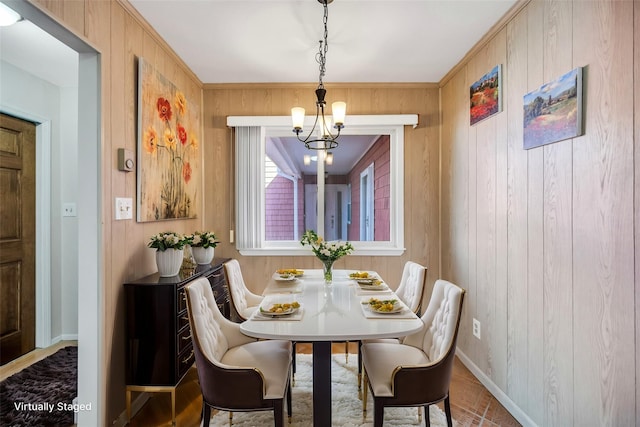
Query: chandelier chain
(321, 57)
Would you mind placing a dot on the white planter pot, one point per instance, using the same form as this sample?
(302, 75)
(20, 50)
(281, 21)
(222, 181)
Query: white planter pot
(169, 262)
(202, 255)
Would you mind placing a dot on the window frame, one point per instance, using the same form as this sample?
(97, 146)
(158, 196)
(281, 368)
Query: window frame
(252, 242)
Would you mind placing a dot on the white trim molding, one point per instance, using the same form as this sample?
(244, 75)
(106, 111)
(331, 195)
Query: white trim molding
(502, 397)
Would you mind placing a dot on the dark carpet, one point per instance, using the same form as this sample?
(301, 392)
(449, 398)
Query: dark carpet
(41, 394)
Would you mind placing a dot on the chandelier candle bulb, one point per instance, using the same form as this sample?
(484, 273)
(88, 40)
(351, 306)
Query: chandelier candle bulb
(339, 110)
(297, 117)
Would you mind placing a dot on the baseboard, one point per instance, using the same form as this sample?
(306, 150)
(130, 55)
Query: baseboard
(509, 404)
(69, 337)
(136, 405)
(63, 337)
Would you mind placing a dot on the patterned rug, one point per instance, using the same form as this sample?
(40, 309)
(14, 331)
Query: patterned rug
(41, 394)
(346, 408)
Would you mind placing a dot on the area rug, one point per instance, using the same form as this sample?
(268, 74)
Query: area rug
(346, 406)
(41, 394)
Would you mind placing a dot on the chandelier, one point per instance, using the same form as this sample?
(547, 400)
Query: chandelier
(324, 138)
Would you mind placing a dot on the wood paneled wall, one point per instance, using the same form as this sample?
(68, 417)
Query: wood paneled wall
(120, 36)
(543, 239)
(421, 167)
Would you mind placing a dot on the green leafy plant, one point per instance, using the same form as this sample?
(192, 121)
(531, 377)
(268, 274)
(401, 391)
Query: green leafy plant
(325, 251)
(202, 239)
(167, 240)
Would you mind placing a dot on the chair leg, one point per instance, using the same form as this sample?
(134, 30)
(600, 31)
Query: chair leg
(427, 420)
(346, 352)
(206, 415)
(378, 414)
(293, 362)
(365, 380)
(230, 418)
(278, 414)
(359, 364)
(447, 411)
(289, 410)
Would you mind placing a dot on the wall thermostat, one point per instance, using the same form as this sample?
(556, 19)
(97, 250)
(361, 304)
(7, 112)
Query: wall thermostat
(126, 161)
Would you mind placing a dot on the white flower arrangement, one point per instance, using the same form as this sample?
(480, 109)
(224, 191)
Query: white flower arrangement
(203, 239)
(325, 251)
(167, 240)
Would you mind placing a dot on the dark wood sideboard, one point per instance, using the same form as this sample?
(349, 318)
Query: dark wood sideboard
(158, 337)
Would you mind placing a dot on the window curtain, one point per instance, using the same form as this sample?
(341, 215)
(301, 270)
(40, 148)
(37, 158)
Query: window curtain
(249, 178)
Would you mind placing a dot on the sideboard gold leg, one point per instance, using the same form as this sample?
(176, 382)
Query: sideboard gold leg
(173, 406)
(128, 405)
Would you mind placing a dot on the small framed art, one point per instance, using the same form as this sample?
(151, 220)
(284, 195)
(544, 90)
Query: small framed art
(486, 96)
(553, 112)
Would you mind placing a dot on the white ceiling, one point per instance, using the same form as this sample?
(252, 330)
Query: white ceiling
(258, 41)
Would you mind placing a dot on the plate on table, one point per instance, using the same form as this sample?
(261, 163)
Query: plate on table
(377, 285)
(369, 281)
(289, 272)
(285, 280)
(384, 306)
(280, 309)
(358, 275)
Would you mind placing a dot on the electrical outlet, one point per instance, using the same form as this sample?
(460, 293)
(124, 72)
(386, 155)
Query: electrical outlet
(476, 328)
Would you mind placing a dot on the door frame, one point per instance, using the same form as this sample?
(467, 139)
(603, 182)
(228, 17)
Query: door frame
(91, 378)
(367, 200)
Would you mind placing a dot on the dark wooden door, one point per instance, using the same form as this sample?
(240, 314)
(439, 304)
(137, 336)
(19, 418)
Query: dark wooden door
(17, 237)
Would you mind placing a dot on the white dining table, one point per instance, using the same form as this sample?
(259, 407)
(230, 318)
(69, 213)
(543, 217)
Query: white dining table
(327, 313)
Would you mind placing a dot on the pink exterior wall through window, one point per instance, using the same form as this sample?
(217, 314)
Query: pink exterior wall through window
(279, 209)
(379, 155)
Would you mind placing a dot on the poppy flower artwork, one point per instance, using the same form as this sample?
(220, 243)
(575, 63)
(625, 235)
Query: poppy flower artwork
(485, 96)
(168, 149)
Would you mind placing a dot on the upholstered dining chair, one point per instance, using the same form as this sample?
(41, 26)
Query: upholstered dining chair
(236, 372)
(416, 372)
(243, 301)
(410, 291)
(411, 287)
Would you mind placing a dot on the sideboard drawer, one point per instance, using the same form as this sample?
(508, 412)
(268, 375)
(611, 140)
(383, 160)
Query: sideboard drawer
(184, 339)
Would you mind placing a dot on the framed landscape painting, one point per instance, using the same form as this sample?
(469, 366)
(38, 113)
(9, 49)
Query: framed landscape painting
(169, 183)
(554, 111)
(486, 96)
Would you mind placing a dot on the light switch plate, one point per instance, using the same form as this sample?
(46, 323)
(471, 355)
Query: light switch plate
(69, 209)
(124, 208)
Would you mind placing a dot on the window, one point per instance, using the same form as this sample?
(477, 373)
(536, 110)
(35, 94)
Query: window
(354, 192)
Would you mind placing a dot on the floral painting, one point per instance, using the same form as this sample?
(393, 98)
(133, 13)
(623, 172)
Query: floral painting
(168, 149)
(554, 111)
(485, 96)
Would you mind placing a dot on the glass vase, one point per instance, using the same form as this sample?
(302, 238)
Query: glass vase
(328, 271)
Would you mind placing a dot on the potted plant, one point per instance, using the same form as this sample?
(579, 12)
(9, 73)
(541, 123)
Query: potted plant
(202, 246)
(169, 248)
(327, 252)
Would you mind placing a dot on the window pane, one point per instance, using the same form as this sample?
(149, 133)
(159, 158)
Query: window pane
(356, 189)
(357, 199)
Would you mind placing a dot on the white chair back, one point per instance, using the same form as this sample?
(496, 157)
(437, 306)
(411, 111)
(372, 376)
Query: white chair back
(206, 319)
(237, 287)
(411, 288)
(441, 321)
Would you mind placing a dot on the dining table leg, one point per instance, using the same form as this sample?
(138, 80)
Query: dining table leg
(322, 383)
